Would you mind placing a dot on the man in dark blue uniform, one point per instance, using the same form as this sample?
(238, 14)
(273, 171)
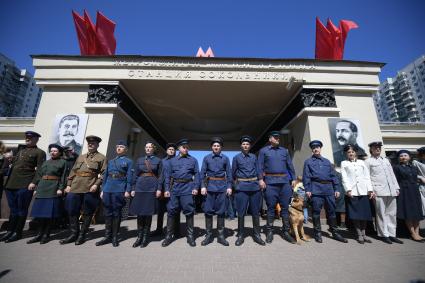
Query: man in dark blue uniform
(21, 184)
(181, 184)
(246, 175)
(116, 186)
(321, 185)
(162, 201)
(277, 176)
(216, 176)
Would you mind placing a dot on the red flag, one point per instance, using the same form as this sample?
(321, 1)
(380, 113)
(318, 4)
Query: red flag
(105, 33)
(337, 49)
(92, 45)
(80, 27)
(345, 26)
(330, 40)
(324, 43)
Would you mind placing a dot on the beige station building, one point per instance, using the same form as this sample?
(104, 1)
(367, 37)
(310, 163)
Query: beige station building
(140, 98)
(163, 99)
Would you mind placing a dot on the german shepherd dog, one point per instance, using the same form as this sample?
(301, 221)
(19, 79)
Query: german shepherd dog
(296, 218)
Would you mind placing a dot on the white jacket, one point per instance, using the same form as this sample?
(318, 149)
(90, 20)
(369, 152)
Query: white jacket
(355, 177)
(382, 176)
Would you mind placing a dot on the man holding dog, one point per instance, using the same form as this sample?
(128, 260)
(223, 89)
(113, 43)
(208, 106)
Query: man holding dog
(277, 175)
(321, 185)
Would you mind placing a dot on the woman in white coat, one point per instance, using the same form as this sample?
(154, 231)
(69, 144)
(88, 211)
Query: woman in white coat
(358, 188)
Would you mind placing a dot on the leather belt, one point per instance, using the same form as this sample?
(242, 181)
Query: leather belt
(276, 174)
(49, 177)
(216, 178)
(85, 174)
(182, 180)
(247, 179)
(116, 176)
(147, 175)
(323, 182)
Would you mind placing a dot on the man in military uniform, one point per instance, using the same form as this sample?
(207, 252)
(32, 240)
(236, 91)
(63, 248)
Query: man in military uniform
(116, 187)
(246, 176)
(321, 185)
(21, 183)
(162, 201)
(277, 175)
(181, 184)
(216, 176)
(83, 190)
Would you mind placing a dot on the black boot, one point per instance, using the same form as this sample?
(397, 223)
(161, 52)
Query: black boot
(241, 228)
(10, 228)
(159, 224)
(140, 225)
(108, 232)
(116, 223)
(190, 233)
(46, 232)
(177, 232)
(17, 234)
(74, 227)
(146, 230)
(317, 228)
(84, 229)
(169, 237)
(220, 228)
(256, 225)
(209, 234)
(269, 228)
(285, 230)
(334, 231)
(37, 238)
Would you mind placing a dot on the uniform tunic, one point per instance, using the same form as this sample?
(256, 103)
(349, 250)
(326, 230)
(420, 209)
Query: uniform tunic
(87, 171)
(162, 201)
(275, 166)
(319, 178)
(145, 186)
(47, 202)
(22, 173)
(181, 177)
(216, 166)
(248, 194)
(24, 166)
(116, 180)
(409, 206)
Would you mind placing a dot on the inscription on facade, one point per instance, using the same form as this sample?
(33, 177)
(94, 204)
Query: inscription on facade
(207, 75)
(303, 66)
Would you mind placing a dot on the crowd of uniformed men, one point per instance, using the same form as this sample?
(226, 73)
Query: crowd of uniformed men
(77, 184)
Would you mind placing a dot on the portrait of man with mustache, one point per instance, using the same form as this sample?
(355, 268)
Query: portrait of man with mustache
(346, 132)
(69, 127)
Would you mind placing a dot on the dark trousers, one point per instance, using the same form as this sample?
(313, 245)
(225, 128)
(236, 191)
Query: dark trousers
(248, 199)
(113, 204)
(87, 201)
(215, 203)
(180, 203)
(278, 193)
(318, 201)
(19, 201)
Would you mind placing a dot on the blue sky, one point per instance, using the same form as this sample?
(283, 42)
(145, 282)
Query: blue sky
(390, 31)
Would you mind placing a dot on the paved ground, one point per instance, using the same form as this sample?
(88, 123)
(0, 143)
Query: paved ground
(279, 262)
